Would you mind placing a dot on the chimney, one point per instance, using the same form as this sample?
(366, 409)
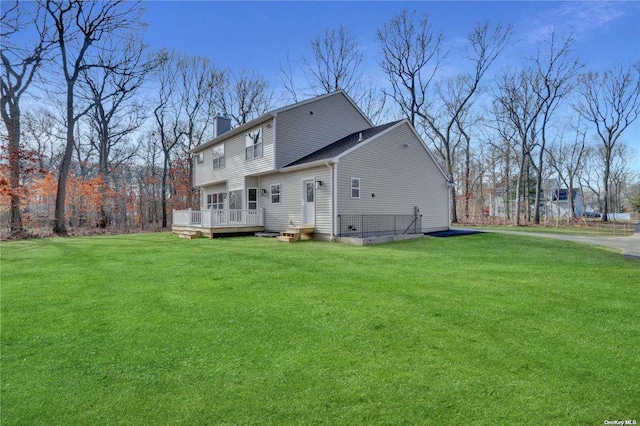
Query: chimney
(221, 125)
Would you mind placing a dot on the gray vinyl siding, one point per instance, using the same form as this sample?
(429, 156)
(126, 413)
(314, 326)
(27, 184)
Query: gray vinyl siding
(400, 177)
(277, 216)
(300, 133)
(236, 165)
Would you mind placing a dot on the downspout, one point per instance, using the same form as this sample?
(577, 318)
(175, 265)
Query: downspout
(334, 197)
(449, 186)
(275, 154)
(332, 207)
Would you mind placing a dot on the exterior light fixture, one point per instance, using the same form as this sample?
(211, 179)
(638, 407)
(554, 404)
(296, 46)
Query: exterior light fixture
(318, 184)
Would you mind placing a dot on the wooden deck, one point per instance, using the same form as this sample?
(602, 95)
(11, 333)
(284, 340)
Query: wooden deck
(190, 232)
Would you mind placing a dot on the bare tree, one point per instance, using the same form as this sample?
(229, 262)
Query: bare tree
(44, 135)
(19, 67)
(567, 160)
(456, 95)
(116, 111)
(288, 80)
(412, 54)
(168, 128)
(556, 70)
(611, 102)
(518, 108)
(197, 81)
(244, 97)
(113, 91)
(79, 27)
(335, 62)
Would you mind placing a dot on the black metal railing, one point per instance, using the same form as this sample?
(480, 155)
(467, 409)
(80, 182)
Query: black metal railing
(373, 225)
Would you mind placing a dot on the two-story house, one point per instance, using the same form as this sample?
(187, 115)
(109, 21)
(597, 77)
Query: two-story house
(320, 166)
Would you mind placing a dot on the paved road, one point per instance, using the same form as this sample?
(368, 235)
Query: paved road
(628, 246)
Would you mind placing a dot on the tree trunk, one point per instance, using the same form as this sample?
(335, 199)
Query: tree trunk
(163, 190)
(607, 171)
(519, 187)
(13, 133)
(59, 225)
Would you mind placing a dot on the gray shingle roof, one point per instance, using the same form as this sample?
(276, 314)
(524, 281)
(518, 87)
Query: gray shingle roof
(342, 145)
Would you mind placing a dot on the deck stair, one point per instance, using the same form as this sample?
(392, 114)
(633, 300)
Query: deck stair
(297, 233)
(189, 235)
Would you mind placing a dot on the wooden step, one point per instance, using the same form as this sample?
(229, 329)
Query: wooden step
(189, 235)
(297, 233)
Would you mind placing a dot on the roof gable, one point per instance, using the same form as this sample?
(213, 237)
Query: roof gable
(349, 143)
(274, 113)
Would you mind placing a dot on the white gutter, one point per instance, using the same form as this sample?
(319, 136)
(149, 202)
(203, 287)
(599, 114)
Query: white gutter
(307, 165)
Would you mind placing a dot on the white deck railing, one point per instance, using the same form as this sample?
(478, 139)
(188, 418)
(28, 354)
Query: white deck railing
(214, 218)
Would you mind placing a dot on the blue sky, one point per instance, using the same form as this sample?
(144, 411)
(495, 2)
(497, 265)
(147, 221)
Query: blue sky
(259, 35)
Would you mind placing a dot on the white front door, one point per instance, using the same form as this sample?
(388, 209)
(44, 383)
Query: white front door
(252, 198)
(308, 202)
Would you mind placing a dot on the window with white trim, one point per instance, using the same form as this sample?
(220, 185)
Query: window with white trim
(355, 187)
(199, 157)
(215, 201)
(275, 194)
(218, 156)
(253, 144)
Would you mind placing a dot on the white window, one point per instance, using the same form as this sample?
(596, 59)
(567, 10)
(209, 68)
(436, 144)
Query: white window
(199, 158)
(275, 194)
(215, 201)
(355, 187)
(253, 144)
(218, 156)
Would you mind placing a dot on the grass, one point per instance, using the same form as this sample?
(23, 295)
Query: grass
(590, 228)
(481, 329)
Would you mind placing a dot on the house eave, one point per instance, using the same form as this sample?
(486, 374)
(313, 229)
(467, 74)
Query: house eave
(235, 131)
(308, 165)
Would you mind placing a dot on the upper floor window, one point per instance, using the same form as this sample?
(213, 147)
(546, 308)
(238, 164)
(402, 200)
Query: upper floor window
(253, 144)
(218, 156)
(355, 187)
(199, 158)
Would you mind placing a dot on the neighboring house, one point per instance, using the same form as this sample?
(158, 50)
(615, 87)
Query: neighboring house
(558, 204)
(319, 165)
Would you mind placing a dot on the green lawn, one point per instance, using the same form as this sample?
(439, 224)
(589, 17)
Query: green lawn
(481, 329)
(591, 228)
